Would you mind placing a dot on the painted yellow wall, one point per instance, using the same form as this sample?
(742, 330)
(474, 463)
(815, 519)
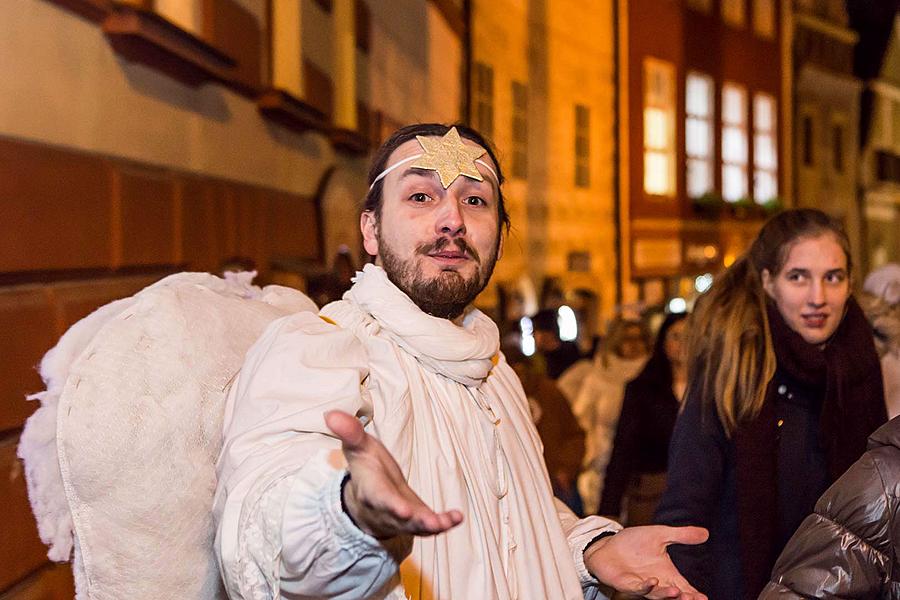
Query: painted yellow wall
(61, 83)
(563, 50)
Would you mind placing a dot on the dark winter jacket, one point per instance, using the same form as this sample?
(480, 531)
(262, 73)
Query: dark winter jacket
(649, 411)
(704, 478)
(848, 547)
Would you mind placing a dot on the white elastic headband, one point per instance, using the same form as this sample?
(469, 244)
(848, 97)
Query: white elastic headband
(399, 163)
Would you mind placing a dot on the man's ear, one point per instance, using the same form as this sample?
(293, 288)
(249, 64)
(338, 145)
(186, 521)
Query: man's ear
(768, 282)
(369, 228)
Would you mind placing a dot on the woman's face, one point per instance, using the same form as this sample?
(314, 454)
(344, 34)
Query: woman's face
(812, 287)
(674, 342)
(633, 345)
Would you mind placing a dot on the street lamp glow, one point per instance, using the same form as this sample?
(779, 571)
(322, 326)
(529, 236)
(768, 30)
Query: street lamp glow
(703, 282)
(677, 305)
(568, 324)
(527, 329)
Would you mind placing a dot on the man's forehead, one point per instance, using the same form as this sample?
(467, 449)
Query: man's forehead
(413, 147)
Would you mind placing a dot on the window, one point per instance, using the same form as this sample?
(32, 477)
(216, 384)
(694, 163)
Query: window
(734, 142)
(582, 146)
(765, 148)
(764, 18)
(733, 12)
(701, 5)
(698, 139)
(519, 130)
(808, 142)
(837, 148)
(659, 127)
(186, 15)
(484, 99)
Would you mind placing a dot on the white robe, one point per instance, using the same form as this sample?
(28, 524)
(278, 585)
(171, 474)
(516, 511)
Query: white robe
(453, 415)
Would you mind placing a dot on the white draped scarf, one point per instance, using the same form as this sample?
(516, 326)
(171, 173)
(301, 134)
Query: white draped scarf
(454, 416)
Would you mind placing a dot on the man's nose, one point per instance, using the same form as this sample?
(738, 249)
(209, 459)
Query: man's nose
(450, 219)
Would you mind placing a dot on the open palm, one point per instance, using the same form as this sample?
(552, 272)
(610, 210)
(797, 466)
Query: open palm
(635, 561)
(377, 497)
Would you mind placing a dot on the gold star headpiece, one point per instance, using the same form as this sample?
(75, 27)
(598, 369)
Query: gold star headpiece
(448, 155)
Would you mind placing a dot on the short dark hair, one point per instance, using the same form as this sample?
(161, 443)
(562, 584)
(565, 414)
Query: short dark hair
(374, 198)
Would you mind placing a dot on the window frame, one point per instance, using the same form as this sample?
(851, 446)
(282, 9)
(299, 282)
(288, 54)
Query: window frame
(709, 120)
(666, 104)
(741, 126)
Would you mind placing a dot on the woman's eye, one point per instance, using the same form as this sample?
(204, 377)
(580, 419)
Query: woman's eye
(836, 278)
(420, 197)
(475, 201)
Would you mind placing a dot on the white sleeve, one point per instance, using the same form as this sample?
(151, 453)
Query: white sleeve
(580, 532)
(281, 529)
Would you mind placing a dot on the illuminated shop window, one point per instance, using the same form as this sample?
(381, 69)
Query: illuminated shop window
(698, 139)
(733, 12)
(765, 148)
(764, 18)
(659, 127)
(734, 142)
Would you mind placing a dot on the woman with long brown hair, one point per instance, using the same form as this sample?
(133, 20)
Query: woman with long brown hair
(784, 387)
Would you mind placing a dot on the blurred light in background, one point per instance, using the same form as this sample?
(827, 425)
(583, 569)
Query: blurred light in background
(527, 336)
(568, 324)
(677, 305)
(703, 282)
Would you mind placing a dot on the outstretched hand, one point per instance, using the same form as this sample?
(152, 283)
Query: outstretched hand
(635, 561)
(377, 497)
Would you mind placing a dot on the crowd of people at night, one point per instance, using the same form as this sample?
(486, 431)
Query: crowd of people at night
(400, 444)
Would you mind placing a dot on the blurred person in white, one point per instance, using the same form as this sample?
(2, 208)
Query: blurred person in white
(595, 388)
(354, 437)
(881, 303)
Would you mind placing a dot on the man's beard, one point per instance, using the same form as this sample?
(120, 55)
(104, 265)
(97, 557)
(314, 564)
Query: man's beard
(449, 293)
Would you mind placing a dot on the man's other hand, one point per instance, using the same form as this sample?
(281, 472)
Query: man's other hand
(635, 561)
(377, 496)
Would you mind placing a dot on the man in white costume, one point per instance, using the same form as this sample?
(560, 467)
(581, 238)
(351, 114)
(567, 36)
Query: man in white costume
(384, 448)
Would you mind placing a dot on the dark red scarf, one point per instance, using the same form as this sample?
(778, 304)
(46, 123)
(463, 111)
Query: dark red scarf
(848, 372)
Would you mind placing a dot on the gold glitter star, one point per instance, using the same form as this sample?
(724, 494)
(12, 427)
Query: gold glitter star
(449, 156)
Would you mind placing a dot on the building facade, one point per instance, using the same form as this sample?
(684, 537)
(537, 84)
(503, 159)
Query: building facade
(701, 127)
(880, 161)
(826, 113)
(145, 137)
(543, 89)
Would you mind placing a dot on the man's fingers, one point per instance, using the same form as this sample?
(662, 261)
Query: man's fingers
(663, 592)
(432, 523)
(347, 428)
(637, 586)
(686, 535)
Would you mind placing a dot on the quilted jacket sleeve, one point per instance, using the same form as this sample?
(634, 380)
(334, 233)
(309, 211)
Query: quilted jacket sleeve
(844, 549)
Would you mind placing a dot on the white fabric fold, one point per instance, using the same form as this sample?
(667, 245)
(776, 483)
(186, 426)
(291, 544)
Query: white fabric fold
(463, 354)
(453, 415)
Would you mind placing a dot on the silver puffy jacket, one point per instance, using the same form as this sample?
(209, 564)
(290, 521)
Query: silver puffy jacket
(848, 547)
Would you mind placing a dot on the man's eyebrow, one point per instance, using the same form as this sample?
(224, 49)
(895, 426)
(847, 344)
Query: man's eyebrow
(417, 171)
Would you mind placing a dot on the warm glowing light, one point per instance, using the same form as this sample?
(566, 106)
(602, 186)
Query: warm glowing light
(527, 328)
(677, 305)
(729, 259)
(568, 324)
(703, 282)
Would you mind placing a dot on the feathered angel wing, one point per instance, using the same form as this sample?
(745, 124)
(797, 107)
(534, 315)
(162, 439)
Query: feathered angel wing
(138, 428)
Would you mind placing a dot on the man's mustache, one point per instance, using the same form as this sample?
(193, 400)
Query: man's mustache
(440, 244)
